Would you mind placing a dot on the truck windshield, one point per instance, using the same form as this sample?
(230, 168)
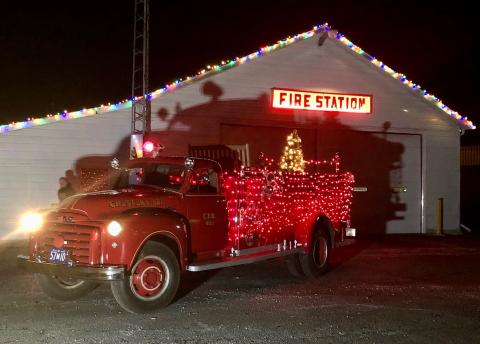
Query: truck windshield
(161, 175)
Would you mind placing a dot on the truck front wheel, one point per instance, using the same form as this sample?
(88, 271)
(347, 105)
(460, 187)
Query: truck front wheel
(153, 280)
(315, 263)
(64, 288)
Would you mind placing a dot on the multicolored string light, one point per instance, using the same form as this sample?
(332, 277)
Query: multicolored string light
(403, 79)
(225, 65)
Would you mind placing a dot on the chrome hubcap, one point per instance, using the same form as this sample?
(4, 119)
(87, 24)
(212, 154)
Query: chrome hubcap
(149, 278)
(320, 252)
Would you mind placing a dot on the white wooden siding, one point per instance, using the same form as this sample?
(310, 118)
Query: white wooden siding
(32, 160)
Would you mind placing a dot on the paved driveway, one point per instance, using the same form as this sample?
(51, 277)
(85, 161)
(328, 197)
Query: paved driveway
(399, 289)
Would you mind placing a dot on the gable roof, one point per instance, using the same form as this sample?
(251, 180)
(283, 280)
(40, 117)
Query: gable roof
(225, 65)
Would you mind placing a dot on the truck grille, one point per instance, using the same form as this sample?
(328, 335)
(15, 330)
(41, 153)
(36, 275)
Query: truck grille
(81, 241)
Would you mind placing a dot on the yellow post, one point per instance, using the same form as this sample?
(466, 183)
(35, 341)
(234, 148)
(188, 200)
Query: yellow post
(439, 217)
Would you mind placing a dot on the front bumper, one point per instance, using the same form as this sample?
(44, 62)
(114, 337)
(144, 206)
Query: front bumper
(84, 272)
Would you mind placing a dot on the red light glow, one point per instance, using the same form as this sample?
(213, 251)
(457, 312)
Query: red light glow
(174, 179)
(267, 206)
(148, 146)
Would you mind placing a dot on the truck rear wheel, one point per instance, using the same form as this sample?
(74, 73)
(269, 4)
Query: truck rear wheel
(153, 281)
(294, 266)
(64, 288)
(315, 263)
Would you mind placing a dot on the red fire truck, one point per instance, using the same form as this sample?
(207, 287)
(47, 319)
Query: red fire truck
(167, 215)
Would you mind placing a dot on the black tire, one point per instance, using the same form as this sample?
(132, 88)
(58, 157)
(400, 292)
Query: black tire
(315, 263)
(153, 280)
(294, 266)
(64, 288)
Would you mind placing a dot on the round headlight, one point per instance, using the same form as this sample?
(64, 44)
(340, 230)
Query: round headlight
(31, 221)
(114, 228)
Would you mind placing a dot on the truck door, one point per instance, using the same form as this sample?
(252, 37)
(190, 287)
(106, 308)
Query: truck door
(207, 213)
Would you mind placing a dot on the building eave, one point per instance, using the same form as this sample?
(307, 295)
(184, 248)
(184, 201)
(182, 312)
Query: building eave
(209, 70)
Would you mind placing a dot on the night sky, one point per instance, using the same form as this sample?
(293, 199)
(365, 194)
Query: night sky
(58, 55)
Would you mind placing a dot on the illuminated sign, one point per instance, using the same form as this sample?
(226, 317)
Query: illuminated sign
(321, 101)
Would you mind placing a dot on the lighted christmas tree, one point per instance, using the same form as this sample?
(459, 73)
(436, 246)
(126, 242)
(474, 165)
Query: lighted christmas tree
(292, 158)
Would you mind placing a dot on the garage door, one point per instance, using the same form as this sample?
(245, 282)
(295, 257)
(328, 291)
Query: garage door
(389, 165)
(406, 185)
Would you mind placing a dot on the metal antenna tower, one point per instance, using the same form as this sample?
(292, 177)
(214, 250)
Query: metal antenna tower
(140, 106)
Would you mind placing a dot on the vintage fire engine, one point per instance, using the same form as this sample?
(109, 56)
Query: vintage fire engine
(167, 215)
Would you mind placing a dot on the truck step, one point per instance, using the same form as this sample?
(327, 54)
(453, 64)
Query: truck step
(241, 260)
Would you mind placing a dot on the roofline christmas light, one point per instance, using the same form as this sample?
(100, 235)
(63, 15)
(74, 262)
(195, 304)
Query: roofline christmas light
(227, 64)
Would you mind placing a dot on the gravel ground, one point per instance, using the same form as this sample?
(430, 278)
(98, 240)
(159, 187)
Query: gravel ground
(397, 289)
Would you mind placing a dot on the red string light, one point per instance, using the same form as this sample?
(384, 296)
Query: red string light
(266, 205)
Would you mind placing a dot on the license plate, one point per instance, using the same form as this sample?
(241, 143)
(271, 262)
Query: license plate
(58, 255)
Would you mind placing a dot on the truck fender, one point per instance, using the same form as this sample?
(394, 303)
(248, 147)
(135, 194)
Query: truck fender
(304, 230)
(147, 224)
(177, 245)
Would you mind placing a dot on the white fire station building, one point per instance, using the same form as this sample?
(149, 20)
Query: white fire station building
(401, 143)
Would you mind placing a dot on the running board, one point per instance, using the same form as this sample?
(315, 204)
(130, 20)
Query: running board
(241, 260)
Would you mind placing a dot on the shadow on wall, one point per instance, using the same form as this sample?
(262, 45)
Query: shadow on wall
(369, 156)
